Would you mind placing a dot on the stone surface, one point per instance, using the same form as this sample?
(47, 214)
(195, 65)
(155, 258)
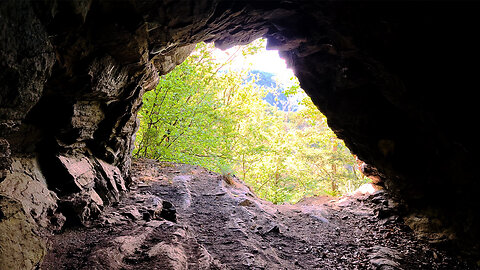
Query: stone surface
(394, 80)
(37, 200)
(21, 246)
(5, 160)
(215, 229)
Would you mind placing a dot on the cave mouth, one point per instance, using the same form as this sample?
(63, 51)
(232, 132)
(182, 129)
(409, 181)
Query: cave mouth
(394, 80)
(242, 113)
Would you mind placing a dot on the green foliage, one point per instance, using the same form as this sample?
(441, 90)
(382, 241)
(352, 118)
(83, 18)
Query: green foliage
(200, 114)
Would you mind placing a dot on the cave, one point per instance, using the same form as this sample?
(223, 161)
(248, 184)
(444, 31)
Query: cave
(395, 80)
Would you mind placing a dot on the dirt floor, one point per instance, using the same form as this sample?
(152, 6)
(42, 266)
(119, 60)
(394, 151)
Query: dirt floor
(185, 217)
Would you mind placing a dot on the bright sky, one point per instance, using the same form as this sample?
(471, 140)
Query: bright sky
(264, 60)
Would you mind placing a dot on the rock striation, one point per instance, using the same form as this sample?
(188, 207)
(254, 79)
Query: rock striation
(395, 80)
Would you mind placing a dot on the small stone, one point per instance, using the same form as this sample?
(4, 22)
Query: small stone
(320, 218)
(131, 212)
(247, 203)
(274, 229)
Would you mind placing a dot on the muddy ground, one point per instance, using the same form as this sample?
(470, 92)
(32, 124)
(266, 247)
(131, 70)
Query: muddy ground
(185, 217)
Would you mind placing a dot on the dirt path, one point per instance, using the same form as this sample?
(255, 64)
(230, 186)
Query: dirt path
(184, 217)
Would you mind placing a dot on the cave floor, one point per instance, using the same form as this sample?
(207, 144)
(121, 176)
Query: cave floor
(184, 217)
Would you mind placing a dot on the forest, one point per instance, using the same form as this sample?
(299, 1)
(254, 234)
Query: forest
(243, 123)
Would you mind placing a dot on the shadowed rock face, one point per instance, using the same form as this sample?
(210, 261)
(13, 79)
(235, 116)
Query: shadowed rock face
(396, 82)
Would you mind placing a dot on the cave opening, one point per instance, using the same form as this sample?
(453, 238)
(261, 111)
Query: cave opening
(394, 79)
(241, 112)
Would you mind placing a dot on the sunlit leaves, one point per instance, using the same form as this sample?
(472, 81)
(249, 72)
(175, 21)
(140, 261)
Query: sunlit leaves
(201, 114)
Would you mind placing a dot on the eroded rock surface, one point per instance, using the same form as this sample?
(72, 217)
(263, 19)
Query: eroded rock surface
(396, 81)
(21, 245)
(185, 217)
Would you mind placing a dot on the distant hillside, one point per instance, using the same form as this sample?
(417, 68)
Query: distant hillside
(275, 97)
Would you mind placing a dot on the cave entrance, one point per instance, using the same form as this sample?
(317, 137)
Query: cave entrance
(241, 112)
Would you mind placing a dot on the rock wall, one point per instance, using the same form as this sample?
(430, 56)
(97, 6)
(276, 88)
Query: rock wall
(395, 80)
